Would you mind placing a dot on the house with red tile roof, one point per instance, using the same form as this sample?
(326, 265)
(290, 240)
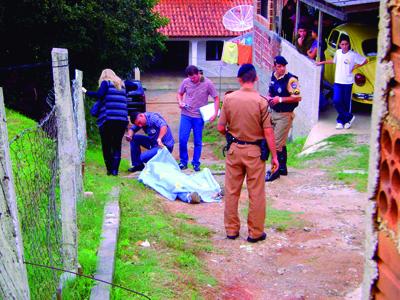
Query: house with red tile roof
(196, 34)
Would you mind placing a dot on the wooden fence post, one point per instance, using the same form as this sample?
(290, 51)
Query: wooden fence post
(68, 153)
(13, 276)
(80, 123)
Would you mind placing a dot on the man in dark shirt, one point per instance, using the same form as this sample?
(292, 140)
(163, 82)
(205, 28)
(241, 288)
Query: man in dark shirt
(283, 98)
(158, 136)
(303, 40)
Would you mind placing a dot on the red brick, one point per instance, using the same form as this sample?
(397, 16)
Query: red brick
(379, 296)
(395, 57)
(396, 26)
(394, 102)
(388, 196)
(388, 284)
(388, 253)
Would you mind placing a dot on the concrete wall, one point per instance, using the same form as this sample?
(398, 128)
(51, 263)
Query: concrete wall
(309, 79)
(382, 255)
(267, 45)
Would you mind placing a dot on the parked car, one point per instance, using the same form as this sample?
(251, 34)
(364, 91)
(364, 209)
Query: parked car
(363, 40)
(136, 96)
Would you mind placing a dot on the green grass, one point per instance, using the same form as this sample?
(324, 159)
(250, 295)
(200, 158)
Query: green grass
(169, 269)
(294, 148)
(32, 155)
(184, 216)
(16, 123)
(216, 167)
(211, 134)
(280, 220)
(357, 160)
(341, 153)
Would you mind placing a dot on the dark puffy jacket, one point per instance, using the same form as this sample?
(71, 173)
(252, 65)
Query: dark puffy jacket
(114, 103)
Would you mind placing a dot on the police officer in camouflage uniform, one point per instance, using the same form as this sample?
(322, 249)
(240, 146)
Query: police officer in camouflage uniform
(283, 98)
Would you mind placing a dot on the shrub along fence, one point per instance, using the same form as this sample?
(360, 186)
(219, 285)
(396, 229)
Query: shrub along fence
(41, 172)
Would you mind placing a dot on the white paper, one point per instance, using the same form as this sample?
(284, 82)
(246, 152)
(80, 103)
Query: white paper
(207, 111)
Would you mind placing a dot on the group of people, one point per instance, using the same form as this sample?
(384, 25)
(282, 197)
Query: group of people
(346, 61)
(112, 120)
(306, 41)
(248, 117)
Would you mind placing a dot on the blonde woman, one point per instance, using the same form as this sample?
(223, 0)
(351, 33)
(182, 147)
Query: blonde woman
(112, 117)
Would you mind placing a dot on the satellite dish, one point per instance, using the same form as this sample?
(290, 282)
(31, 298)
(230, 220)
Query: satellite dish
(238, 18)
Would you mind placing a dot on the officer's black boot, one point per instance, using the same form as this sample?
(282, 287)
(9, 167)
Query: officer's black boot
(273, 174)
(282, 158)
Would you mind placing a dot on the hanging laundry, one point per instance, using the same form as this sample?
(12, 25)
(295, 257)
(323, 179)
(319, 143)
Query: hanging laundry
(249, 40)
(244, 54)
(230, 53)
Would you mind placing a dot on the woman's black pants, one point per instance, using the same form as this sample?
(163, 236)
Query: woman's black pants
(111, 133)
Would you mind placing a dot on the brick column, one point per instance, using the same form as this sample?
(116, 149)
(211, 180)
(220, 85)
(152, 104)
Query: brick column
(383, 268)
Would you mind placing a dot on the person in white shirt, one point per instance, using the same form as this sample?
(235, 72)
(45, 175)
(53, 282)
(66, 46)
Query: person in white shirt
(346, 62)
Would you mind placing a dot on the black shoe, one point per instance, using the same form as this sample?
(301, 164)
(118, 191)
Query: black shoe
(282, 158)
(196, 168)
(232, 237)
(115, 165)
(261, 238)
(283, 171)
(182, 166)
(136, 168)
(272, 176)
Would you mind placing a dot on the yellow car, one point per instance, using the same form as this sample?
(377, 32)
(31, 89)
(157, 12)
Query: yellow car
(363, 40)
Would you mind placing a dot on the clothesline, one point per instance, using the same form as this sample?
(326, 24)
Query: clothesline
(238, 50)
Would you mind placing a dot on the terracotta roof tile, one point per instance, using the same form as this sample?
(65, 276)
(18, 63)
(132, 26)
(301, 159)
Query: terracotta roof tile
(196, 18)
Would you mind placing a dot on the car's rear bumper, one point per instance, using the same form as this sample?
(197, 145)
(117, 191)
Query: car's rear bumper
(363, 97)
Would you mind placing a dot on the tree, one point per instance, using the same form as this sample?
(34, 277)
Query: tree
(117, 34)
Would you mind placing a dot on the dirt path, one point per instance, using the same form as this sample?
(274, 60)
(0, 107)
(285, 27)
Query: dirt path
(321, 259)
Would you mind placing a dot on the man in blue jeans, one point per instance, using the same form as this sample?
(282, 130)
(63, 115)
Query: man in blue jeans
(346, 62)
(158, 135)
(192, 94)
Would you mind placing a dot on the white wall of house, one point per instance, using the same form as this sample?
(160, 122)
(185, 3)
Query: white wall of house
(211, 68)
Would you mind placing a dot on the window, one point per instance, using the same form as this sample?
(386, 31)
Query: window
(214, 50)
(264, 8)
(369, 47)
(333, 39)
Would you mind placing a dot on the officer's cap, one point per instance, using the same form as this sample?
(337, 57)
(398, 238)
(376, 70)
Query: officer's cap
(280, 60)
(244, 69)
